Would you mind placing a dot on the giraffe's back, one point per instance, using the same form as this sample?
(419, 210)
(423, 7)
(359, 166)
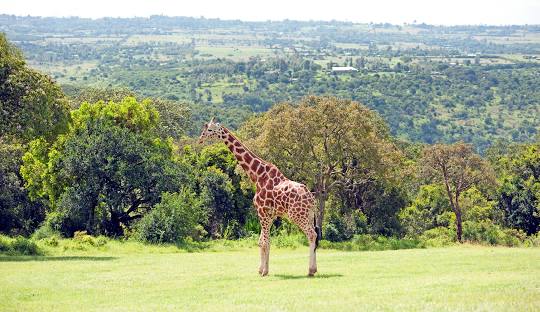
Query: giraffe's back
(293, 198)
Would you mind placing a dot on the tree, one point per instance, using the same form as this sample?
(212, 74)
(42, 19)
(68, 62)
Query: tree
(519, 191)
(175, 218)
(325, 142)
(107, 171)
(174, 118)
(425, 211)
(78, 95)
(18, 215)
(459, 169)
(224, 192)
(31, 104)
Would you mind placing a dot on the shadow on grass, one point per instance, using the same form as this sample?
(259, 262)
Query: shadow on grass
(290, 276)
(51, 258)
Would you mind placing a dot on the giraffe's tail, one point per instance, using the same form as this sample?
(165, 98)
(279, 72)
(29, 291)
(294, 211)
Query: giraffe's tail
(318, 231)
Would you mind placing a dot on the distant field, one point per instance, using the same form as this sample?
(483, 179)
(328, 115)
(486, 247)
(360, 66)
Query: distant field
(232, 52)
(123, 278)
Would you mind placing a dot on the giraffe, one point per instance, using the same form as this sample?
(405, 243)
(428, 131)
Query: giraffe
(275, 195)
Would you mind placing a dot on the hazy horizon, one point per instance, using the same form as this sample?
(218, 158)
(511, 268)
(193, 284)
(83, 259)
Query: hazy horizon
(458, 12)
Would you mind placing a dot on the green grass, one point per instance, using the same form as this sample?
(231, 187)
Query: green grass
(133, 277)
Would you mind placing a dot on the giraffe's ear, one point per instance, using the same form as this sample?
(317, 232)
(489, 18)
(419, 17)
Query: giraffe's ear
(213, 119)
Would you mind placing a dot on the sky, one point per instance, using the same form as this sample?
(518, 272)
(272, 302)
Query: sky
(437, 12)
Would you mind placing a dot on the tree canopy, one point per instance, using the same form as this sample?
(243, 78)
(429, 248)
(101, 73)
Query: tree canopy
(325, 142)
(31, 104)
(109, 169)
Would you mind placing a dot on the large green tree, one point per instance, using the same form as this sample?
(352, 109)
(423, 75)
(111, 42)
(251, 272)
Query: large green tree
(519, 192)
(18, 215)
(325, 142)
(224, 193)
(31, 104)
(108, 170)
(458, 168)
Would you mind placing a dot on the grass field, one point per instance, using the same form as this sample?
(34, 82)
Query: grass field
(118, 277)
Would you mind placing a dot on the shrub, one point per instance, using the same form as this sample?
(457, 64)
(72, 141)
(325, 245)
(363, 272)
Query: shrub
(101, 241)
(290, 241)
(342, 227)
(45, 231)
(252, 225)
(24, 246)
(487, 232)
(366, 242)
(533, 240)
(82, 237)
(19, 246)
(51, 241)
(5, 244)
(438, 237)
(176, 217)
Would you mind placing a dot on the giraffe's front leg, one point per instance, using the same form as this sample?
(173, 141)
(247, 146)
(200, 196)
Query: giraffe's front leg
(264, 244)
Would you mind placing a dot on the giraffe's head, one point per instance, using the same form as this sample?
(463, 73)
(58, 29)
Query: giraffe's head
(211, 130)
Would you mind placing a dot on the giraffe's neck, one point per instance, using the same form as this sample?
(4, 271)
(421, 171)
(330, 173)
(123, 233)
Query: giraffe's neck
(255, 167)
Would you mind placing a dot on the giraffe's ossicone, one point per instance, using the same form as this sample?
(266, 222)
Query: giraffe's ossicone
(276, 195)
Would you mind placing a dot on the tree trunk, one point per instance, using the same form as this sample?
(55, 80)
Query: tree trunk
(455, 208)
(459, 226)
(321, 199)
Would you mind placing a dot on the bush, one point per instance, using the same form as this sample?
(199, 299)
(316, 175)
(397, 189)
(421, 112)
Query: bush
(45, 231)
(82, 237)
(19, 246)
(487, 232)
(533, 240)
(341, 227)
(290, 241)
(5, 244)
(176, 217)
(24, 246)
(438, 237)
(367, 242)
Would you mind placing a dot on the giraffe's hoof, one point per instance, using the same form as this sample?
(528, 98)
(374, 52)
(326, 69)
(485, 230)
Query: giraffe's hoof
(312, 272)
(263, 273)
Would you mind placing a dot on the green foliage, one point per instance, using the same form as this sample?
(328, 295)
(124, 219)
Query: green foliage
(223, 190)
(423, 213)
(174, 118)
(476, 207)
(217, 196)
(489, 233)
(336, 147)
(367, 242)
(79, 95)
(178, 216)
(519, 191)
(291, 241)
(138, 117)
(438, 237)
(18, 214)
(31, 104)
(45, 231)
(82, 237)
(459, 169)
(109, 169)
(19, 246)
(343, 226)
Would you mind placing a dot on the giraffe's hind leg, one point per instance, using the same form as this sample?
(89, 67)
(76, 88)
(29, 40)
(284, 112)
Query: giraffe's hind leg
(303, 217)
